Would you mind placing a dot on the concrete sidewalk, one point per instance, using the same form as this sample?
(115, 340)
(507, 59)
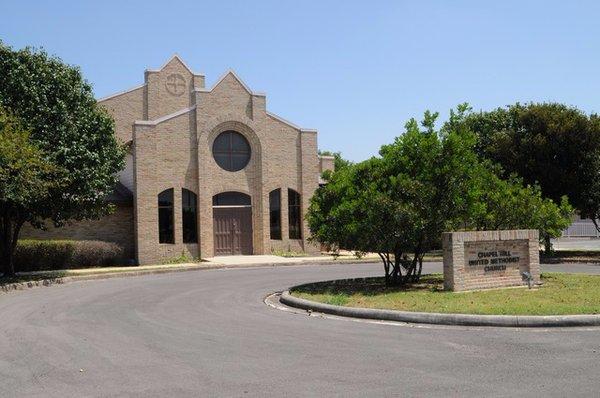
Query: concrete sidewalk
(45, 278)
(256, 259)
(231, 261)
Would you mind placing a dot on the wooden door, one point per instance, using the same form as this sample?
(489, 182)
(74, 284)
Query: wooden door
(232, 230)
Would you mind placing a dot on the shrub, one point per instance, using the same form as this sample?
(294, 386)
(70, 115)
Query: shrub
(45, 255)
(358, 254)
(287, 253)
(182, 259)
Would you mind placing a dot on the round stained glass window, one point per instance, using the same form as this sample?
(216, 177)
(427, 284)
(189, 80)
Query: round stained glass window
(231, 151)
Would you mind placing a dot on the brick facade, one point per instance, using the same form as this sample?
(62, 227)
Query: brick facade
(117, 228)
(488, 259)
(171, 121)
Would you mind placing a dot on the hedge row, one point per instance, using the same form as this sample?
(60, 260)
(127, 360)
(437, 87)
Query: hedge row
(44, 255)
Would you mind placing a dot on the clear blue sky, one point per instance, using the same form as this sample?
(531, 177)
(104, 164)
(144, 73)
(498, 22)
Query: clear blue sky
(356, 71)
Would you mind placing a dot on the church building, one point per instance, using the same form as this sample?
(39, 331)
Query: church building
(209, 172)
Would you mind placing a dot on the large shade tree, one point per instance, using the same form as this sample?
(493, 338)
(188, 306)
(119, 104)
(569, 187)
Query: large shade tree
(71, 133)
(26, 179)
(398, 204)
(508, 203)
(550, 144)
(428, 181)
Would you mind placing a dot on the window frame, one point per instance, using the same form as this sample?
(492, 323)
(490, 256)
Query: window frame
(294, 212)
(275, 232)
(192, 207)
(169, 237)
(231, 199)
(224, 158)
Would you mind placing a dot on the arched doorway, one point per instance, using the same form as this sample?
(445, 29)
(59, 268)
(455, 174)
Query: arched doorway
(232, 223)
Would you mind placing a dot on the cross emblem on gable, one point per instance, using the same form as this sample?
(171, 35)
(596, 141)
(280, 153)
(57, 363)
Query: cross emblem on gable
(175, 84)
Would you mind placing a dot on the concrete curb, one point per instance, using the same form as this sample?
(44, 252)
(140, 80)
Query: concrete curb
(304, 262)
(58, 280)
(442, 319)
(108, 275)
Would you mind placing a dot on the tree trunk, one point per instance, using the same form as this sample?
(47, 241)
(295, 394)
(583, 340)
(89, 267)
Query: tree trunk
(393, 270)
(9, 235)
(397, 278)
(386, 266)
(7, 261)
(595, 221)
(418, 268)
(393, 274)
(547, 244)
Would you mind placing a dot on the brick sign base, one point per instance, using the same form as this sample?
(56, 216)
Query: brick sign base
(488, 259)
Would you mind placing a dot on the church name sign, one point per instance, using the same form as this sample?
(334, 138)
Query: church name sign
(489, 259)
(495, 256)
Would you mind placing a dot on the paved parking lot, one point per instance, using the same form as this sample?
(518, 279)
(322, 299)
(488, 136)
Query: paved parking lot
(576, 244)
(209, 333)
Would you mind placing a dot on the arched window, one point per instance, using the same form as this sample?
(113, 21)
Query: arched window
(231, 199)
(294, 215)
(231, 150)
(189, 216)
(275, 213)
(165, 217)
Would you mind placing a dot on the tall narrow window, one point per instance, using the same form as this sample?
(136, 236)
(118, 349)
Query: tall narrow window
(165, 216)
(275, 213)
(294, 217)
(189, 216)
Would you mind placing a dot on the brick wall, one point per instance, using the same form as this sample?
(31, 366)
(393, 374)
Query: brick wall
(117, 227)
(480, 259)
(125, 108)
(165, 157)
(326, 163)
(173, 121)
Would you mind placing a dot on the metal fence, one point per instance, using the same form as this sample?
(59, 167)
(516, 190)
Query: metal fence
(581, 228)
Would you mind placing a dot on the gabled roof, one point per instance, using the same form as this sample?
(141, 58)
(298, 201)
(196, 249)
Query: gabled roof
(165, 118)
(292, 125)
(178, 58)
(120, 194)
(230, 72)
(174, 57)
(120, 93)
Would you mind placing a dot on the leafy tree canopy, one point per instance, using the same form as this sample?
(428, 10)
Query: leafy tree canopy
(25, 174)
(65, 122)
(398, 204)
(426, 182)
(551, 144)
(68, 129)
(510, 204)
(26, 179)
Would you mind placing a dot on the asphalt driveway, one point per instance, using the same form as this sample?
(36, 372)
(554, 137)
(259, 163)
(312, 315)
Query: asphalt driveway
(208, 333)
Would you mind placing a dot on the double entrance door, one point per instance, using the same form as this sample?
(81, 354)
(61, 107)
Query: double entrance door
(232, 228)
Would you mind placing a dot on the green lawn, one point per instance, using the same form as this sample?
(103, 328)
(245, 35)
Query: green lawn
(561, 294)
